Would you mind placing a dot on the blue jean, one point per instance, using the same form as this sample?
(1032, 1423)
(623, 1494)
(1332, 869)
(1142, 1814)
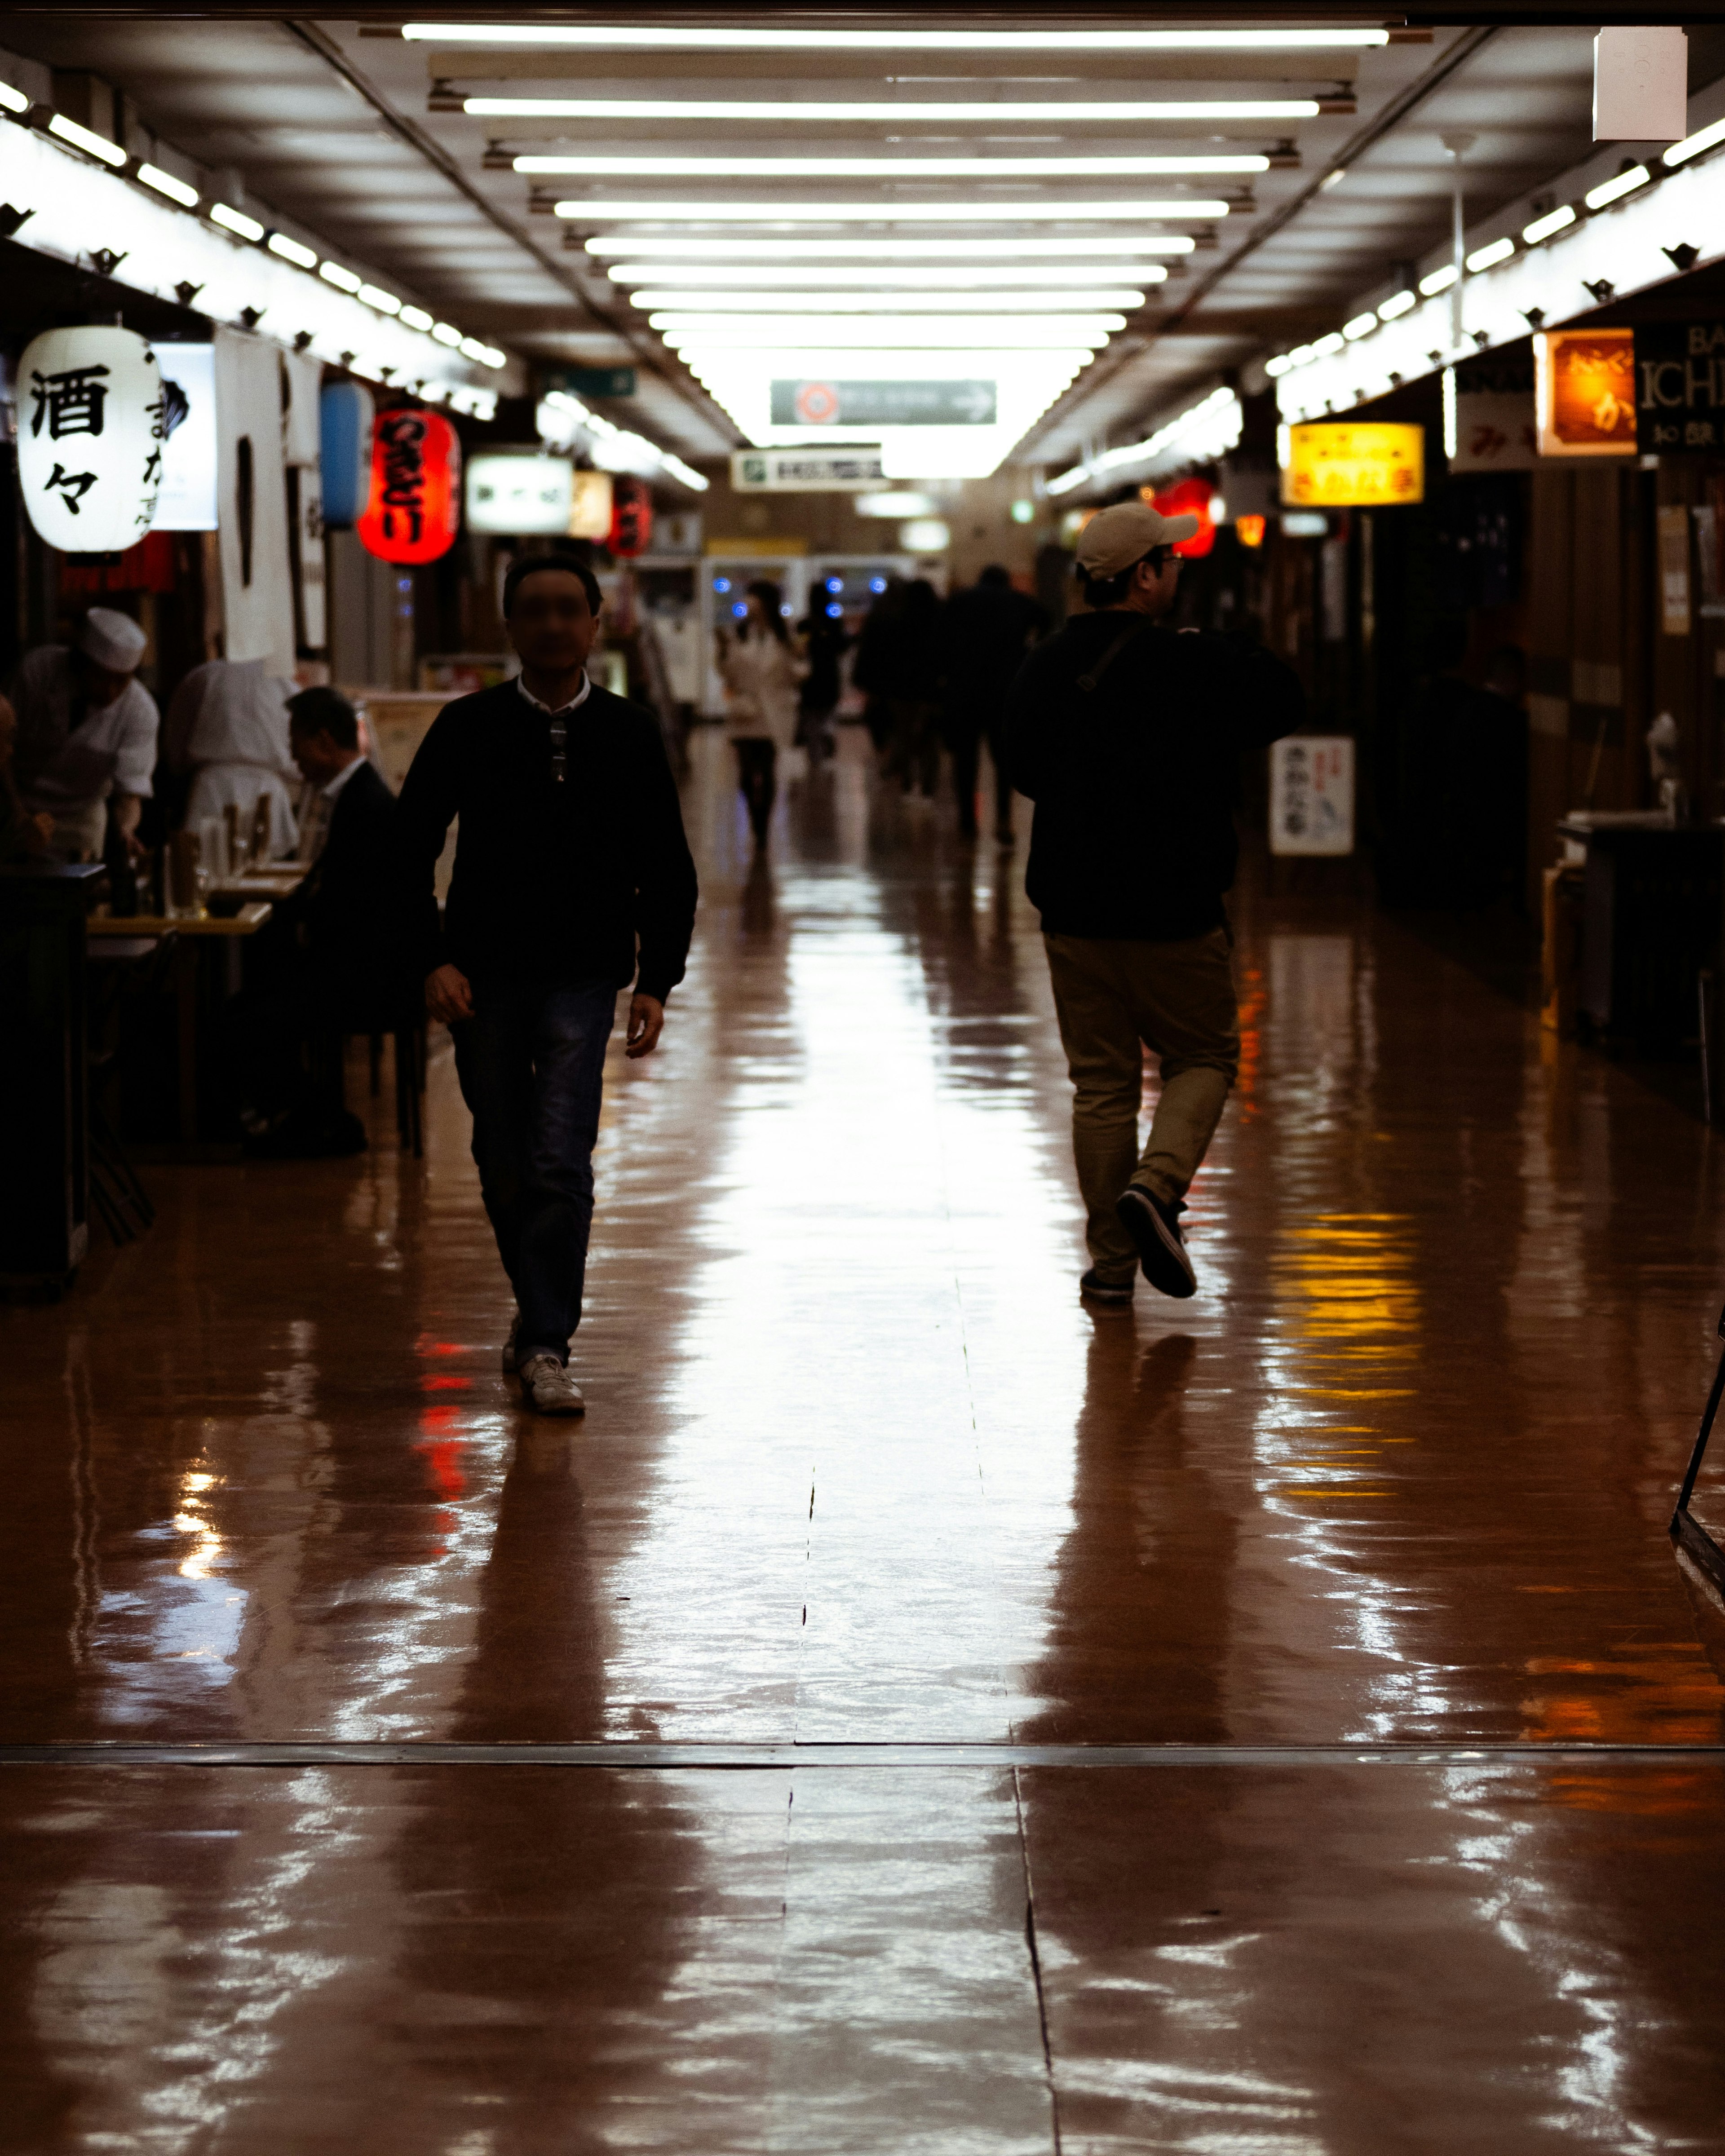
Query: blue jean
(532, 1063)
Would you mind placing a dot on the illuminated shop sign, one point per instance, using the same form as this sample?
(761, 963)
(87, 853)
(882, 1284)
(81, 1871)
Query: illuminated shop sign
(1342, 465)
(1680, 389)
(1584, 390)
(830, 403)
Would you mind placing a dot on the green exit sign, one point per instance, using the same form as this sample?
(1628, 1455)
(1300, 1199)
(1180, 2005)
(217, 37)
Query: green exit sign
(592, 381)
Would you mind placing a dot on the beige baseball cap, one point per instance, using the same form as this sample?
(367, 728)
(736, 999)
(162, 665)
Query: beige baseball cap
(1115, 538)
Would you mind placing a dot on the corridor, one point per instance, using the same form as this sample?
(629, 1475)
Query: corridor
(874, 1555)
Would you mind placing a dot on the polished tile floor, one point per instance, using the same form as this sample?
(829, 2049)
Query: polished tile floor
(859, 1471)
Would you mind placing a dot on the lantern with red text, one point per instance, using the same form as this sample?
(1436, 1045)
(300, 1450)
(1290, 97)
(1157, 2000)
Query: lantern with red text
(414, 510)
(631, 516)
(1187, 497)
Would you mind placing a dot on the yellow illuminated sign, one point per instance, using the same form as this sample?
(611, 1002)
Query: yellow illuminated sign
(1338, 465)
(1585, 386)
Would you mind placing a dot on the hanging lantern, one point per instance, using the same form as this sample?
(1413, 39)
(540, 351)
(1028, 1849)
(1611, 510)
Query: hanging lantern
(631, 515)
(91, 426)
(414, 509)
(346, 416)
(1187, 497)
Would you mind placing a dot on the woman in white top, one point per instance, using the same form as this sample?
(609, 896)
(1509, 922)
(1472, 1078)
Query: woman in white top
(760, 671)
(228, 721)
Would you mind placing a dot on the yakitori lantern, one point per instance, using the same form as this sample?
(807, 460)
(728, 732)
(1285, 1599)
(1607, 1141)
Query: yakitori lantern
(414, 508)
(91, 426)
(1189, 497)
(631, 516)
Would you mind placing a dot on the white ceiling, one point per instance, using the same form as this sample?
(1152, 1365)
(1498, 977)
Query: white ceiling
(339, 132)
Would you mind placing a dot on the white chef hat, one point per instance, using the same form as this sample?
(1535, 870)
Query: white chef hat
(113, 641)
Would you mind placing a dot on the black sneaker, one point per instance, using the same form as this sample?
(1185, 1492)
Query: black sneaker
(1155, 1228)
(1094, 1289)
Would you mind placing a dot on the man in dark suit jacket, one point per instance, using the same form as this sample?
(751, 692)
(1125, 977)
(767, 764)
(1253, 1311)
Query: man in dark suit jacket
(326, 967)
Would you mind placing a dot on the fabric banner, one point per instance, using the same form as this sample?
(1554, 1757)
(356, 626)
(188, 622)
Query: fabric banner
(251, 504)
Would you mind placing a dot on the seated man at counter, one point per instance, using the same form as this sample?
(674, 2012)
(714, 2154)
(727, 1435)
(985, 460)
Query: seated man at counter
(86, 734)
(323, 967)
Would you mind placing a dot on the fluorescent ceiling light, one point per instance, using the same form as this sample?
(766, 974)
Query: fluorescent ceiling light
(877, 213)
(374, 295)
(1326, 345)
(698, 482)
(797, 333)
(886, 168)
(1613, 191)
(290, 250)
(1361, 326)
(1398, 304)
(1299, 356)
(1542, 227)
(165, 183)
(822, 248)
(1439, 280)
(235, 221)
(993, 302)
(887, 275)
(12, 100)
(636, 38)
(1692, 146)
(779, 108)
(93, 145)
(1278, 366)
(1488, 257)
(344, 281)
(895, 505)
(447, 333)
(416, 318)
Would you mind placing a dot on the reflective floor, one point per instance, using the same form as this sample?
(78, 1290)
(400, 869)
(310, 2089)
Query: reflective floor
(858, 1468)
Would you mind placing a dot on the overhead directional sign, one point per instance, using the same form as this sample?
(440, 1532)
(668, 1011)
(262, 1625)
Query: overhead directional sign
(805, 471)
(884, 403)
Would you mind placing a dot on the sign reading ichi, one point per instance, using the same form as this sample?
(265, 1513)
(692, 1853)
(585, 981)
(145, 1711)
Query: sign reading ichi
(1680, 389)
(414, 510)
(1584, 389)
(92, 426)
(1344, 465)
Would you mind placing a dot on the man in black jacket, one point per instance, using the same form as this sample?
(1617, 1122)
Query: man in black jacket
(1125, 736)
(571, 848)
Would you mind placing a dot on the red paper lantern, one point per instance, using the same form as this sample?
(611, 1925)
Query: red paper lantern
(1189, 497)
(631, 517)
(414, 510)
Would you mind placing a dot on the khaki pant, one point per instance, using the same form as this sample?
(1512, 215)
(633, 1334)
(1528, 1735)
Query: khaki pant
(1114, 999)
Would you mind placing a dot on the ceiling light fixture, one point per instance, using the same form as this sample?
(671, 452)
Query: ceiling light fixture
(447, 333)
(1542, 227)
(897, 276)
(290, 250)
(888, 301)
(1324, 346)
(236, 221)
(1692, 146)
(1397, 306)
(887, 168)
(344, 281)
(1488, 257)
(641, 38)
(1439, 280)
(878, 212)
(1361, 326)
(82, 138)
(386, 303)
(12, 100)
(165, 183)
(416, 318)
(895, 249)
(1614, 190)
(777, 110)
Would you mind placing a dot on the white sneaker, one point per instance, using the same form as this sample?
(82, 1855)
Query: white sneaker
(548, 1388)
(509, 1345)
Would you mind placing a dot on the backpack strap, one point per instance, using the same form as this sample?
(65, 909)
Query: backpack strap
(1090, 682)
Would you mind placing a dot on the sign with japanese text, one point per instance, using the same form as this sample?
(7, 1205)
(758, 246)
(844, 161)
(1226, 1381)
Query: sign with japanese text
(1680, 389)
(806, 472)
(591, 381)
(1495, 431)
(92, 428)
(414, 509)
(187, 498)
(1312, 794)
(967, 403)
(1584, 393)
(1340, 464)
(522, 495)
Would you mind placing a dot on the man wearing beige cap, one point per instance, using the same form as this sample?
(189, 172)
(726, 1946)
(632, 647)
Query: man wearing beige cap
(86, 733)
(1126, 737)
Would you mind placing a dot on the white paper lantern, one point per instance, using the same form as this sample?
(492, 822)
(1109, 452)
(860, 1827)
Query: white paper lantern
(91, 429)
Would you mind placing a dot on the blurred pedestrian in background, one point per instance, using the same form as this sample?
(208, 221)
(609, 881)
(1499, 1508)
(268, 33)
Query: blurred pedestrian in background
(985, 633)
(227, 725)
(86, 734)
(762, 672)
(1125, 735)
(825, 642)
(898, 663)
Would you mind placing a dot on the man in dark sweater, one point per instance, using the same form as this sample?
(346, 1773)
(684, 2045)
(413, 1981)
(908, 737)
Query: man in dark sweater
(1125, 736)
(571, 848)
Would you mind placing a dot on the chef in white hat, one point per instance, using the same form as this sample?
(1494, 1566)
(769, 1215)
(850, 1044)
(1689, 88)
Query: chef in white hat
(86, 733)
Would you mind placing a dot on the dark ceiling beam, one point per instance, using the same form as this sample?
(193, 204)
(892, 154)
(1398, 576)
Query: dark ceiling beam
(651, 355)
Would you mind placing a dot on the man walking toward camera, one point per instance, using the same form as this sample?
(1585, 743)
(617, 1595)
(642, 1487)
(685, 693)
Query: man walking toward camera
(571, 852)
(1125, 735)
